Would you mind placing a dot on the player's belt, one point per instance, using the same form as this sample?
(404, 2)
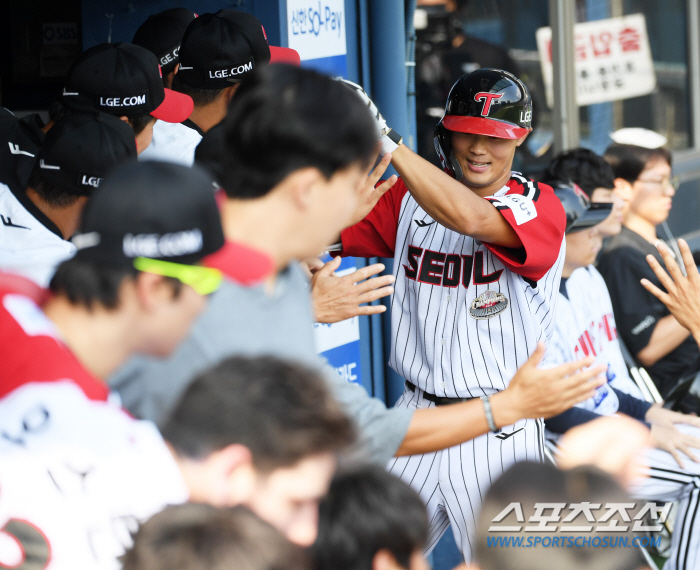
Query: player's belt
(437, 400)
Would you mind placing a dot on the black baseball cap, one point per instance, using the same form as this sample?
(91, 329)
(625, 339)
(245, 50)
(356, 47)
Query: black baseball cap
(81, 148)
(581, 213)
(224, 48)
(123, 79)
(162, 33)
(151, 209)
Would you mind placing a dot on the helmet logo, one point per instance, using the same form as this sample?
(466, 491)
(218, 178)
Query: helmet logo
(487, 98)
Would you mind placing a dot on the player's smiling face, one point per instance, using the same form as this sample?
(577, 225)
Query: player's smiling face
(486, 161)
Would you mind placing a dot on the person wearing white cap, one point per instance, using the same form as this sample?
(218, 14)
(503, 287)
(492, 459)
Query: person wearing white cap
(639, 137)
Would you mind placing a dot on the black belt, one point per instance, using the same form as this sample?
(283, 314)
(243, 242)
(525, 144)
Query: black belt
(437, 400)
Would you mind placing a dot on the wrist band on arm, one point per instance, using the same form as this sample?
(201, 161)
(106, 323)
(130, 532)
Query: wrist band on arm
(486, 401)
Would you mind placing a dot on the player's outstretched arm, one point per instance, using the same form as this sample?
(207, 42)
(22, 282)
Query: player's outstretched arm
(683, 293)
(532, 393)
(338, 298)
(451, 203)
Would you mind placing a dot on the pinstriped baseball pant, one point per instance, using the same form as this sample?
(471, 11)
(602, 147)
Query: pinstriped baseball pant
(452, 482)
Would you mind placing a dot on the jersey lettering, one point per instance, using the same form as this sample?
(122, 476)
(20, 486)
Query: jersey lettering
(431, 269)
(413, 253)
(437, 268)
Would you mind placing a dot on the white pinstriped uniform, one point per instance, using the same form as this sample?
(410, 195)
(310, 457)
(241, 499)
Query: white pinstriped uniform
(585, 326)
(465, 317)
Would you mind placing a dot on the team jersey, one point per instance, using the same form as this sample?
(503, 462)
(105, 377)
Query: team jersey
(76, 477)
(30, 244)
(31, 349)
(466, 315)
(173, 142)
(585, 326)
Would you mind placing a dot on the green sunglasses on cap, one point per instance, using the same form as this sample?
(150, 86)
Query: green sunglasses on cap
(204, 280)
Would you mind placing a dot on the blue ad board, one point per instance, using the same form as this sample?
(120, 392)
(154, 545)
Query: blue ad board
(339, 343)
(316, 29)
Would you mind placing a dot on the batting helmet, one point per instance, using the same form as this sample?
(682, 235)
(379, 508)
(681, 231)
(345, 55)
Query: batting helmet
(488, 102)
(581, 213)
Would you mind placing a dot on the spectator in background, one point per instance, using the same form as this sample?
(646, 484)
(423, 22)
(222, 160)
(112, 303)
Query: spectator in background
(371, 520)
(200, 537)
(161, 34)
(38, 220)
(654, 336)
(218, 51)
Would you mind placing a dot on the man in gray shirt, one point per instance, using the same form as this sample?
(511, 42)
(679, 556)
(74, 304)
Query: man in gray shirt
(297, 148)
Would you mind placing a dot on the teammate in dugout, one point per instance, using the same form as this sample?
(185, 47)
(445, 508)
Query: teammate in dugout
(585, 325)
(478, 252)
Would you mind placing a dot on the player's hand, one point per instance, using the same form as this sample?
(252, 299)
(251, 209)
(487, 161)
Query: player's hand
(669, 438)
(542, 393)
(683, 296)
(311, 266)
(338, 298)
(369, 194)
(657, 414)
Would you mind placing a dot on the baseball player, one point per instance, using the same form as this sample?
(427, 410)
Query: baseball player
(123, 80)
(477, 255)
(585, 325)
(161, 34)
(39, 219)
(217, 52)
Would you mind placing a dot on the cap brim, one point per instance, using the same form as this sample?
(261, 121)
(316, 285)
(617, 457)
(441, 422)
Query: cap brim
(595, 214)
(284, 55)
(241, 263)
(175, 108)
(482, 126)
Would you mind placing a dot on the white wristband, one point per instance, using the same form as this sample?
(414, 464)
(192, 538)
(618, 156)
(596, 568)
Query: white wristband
(390, 142)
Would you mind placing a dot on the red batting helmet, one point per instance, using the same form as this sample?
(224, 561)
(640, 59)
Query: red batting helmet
(488, 102)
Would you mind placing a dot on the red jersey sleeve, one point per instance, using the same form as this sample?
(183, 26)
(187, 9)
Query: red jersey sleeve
(537, 216)
(31, 353)
(375, 236)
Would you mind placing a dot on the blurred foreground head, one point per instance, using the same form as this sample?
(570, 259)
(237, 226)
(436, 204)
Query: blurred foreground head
(527, 484)
(197, 537)
(371, 520)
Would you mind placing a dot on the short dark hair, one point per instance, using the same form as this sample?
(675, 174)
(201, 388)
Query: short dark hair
(198, 536)
(583, 167)
(88, 284)
(49, 193)
(140, 122)
(200, 97)
(281, 410)
(368, 510)
(628, 160)
(526, 484)
(284, 118)
(58, 111)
